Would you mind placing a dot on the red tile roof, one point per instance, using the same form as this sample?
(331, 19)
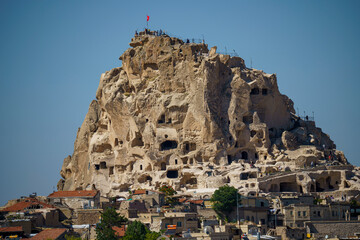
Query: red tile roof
(143, 191)
(196, 201)
(28, 203)
(66, 194)
(182, 200)
(140, 191)
(11, 229)
(119, 231)
(51, 233)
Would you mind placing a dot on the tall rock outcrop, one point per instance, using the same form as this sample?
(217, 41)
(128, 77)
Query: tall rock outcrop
(177, 113)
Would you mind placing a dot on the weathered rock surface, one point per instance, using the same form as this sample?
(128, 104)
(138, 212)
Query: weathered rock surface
(176, 113)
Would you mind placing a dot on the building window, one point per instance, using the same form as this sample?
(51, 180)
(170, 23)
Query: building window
(304, 213)
(291, 213)
(178, 224)
(299, 214)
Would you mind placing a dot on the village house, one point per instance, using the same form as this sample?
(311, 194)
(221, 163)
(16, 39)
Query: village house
(30, 213)
(131, 209)
(11, 232)
(296, 214)
(254, 209)
(179, 222)
(51, 233)
(80, 199)
(152, 198)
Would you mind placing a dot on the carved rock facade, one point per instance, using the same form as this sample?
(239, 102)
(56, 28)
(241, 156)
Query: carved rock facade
(176, 113)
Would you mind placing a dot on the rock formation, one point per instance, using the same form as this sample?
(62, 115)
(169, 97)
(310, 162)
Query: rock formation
(176, 113)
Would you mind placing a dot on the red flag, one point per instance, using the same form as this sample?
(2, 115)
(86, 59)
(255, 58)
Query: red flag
(147, 18)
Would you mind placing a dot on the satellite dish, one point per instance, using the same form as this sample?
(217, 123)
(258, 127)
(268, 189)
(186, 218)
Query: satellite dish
(208, 230)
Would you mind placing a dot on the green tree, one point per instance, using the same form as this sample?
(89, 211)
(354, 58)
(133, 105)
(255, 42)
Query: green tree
(152, 235)
(317, 201)
(354, 203)
(136, 231)
(69, 237)
(224, 200)
(169, 193)
(109, 218)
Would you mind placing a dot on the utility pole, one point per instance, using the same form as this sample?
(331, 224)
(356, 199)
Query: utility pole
(237, 207)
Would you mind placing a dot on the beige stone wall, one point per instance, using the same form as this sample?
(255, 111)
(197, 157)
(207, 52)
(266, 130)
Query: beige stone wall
(52, 218)
(78, 203)
(294, 216)
(187, 221)
(87, 216)
(332, 229)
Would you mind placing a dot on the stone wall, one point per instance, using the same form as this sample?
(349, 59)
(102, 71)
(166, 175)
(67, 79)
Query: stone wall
(87, 216)
(333, 228)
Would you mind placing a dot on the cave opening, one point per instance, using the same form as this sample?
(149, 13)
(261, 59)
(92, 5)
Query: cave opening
(255, 91)
(102, 165)
(172, 174)
(163, 166)
(244, 155)
(274, 188)
(161, 119)
(244, 176)
(167, 145)
(229, 158)
(247, 119)
(288, 187)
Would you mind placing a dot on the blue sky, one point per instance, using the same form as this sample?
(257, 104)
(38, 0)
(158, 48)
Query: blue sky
(52, 54)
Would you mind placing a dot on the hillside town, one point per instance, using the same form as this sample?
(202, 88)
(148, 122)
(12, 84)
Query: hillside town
(183, 142)
(268, 216)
